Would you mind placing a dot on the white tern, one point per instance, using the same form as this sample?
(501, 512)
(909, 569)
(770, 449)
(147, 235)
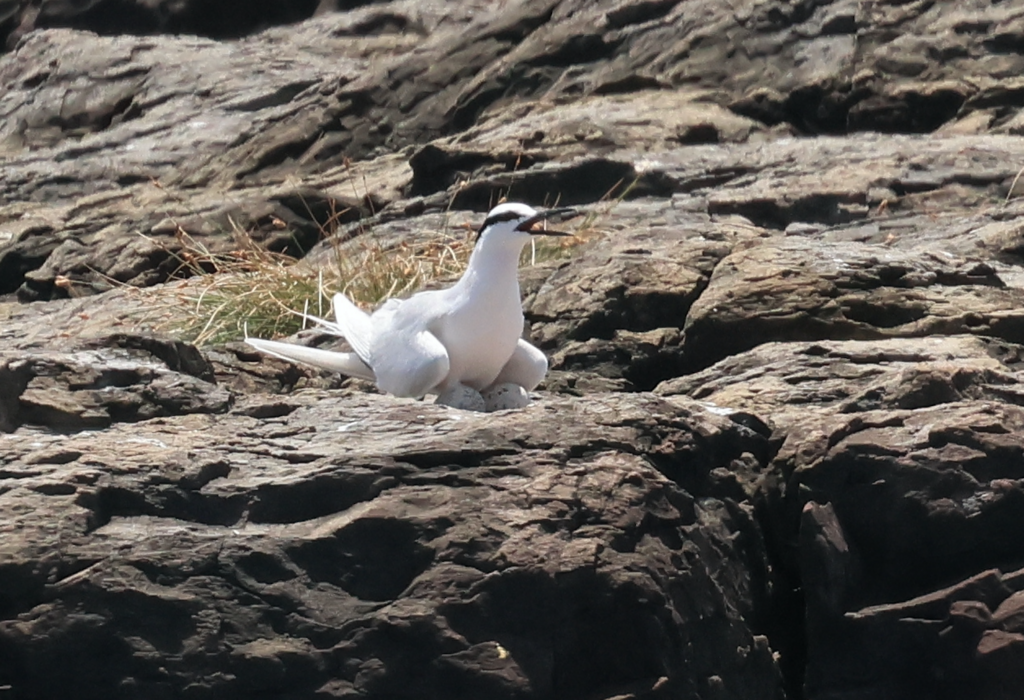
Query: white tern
(462, 343)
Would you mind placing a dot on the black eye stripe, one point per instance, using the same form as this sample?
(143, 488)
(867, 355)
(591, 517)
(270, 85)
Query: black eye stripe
(503, 216)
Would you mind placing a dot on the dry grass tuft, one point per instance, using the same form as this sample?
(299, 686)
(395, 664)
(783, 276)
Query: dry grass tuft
(252, 291)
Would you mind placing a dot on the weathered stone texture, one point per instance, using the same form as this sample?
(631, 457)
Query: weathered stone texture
(779, 453)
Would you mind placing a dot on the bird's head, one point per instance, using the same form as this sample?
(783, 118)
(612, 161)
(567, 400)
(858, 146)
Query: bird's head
(514, 221)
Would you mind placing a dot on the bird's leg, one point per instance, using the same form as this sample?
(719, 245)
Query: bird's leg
(498, 397)
(463, 397)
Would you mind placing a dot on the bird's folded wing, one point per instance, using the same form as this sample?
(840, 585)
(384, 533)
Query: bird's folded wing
(344, 362)
(526, 367)
(412, 363)
(354, 324)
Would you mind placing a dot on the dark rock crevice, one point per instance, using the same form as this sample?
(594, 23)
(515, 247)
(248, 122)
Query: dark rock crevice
(224, 19)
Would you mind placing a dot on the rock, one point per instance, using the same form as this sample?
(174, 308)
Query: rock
(93, 389)
(802, 229)
(100, 150)
(787, 291)
(909, 481)
(790, 381)
(90, 333)
(999, 656)
(615, 309)
(915, 497)
(1010, 613)
(345, 548)
(830, 571)
(939, 631)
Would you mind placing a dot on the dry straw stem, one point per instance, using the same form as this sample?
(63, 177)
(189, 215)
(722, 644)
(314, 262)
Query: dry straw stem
(1013, 186)
(586, 229)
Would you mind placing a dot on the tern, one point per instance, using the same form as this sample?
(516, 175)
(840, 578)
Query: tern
(462, 343)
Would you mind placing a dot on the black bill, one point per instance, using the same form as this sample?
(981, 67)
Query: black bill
(556, 216)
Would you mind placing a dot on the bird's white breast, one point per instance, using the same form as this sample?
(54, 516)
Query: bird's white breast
(487, 329)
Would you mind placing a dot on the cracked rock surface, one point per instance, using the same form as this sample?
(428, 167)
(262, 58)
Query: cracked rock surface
(779, 450)
(347, 548)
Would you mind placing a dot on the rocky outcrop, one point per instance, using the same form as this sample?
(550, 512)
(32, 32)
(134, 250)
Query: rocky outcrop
(159, 134)
(913, 498)
(371, 547)
(778, 453)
